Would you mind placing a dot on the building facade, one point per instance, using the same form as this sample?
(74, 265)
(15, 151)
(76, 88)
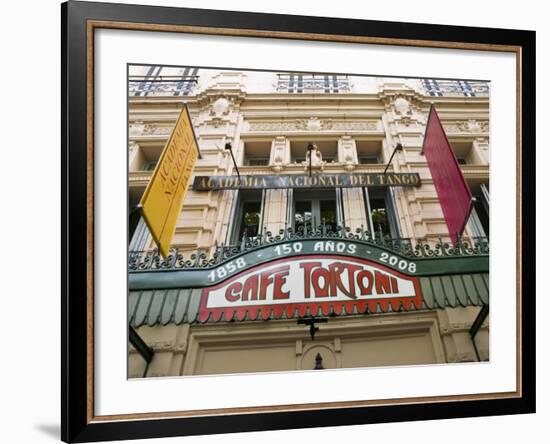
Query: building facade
(318, 126)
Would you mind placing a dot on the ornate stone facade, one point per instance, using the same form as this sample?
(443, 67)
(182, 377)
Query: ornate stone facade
(355, 131)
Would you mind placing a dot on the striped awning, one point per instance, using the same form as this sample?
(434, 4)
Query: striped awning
(182, 306)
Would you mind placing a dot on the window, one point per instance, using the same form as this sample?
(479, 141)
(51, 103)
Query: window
(186, 82)
(256, 153)
(369, 152)
(328, 214)
(303, 215)
(479, 217)
(455, 88)
(382, 215)
(312, 83)
(162, 81)
(138, 233)
(248, 215)
(461, 160)
(257, 161)
(369, 160)
(313, 208)
(328, 150)
(146, 157)
(250, 219)
(465, 154)
(150, 165)
(379, 215)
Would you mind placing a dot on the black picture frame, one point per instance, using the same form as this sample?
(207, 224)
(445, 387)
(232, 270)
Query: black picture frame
(78, 423)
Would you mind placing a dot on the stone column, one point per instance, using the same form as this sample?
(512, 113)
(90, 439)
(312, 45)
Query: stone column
(347, 152)
(221, 123)
(353, 201)
(405, 122)
(280, 153)
(354, 208)
(169, 344)
(135, 159)
(455, 324)
(275, 210)
(480, 146)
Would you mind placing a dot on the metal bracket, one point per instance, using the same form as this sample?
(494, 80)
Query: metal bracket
(230, 149)
(143, 349)
(476, 325)
(398, 147)
(311, 322)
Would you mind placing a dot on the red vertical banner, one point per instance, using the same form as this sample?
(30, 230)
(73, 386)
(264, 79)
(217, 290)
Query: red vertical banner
(453, 191)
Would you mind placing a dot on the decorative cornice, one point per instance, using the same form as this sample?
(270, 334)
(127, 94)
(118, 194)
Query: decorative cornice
(163, 347)
(148, 129)
(466, 126)
(314, 124)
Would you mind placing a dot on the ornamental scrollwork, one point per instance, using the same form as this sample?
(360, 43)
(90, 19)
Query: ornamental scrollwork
(407, 247)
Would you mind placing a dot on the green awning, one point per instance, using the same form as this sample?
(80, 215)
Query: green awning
(182, 306)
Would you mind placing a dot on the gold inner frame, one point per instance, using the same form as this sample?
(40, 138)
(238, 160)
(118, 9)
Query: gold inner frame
(92, 25)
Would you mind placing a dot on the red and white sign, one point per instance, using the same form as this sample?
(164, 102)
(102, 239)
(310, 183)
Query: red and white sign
(292, 285)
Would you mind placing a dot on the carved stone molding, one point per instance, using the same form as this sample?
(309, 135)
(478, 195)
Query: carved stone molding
(136, 129)
(456, 327)
(462, 357)
(163, 347)
(347, 153)
(218, 103)
(216, 122)
(405, 108)
(273, 126)
(367, 125)
(149, 129)
(216, 109)
(155, 130)
(314, 124)
(220, 107)
(402, 106)
(279, 154)
(466, 126)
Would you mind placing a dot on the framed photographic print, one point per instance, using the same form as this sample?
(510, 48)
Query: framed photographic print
(280, 221)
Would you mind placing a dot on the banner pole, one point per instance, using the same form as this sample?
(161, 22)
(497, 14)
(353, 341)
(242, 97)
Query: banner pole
(398, 147)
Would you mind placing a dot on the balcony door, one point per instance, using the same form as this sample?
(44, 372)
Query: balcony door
(312, 208)
(248, 215)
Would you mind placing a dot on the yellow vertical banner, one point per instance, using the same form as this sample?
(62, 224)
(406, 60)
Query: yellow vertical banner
(163, 198)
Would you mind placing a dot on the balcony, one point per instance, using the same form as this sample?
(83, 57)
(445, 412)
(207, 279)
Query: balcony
(460, 88)
(312, 84)
(407, 247)
(162, 86)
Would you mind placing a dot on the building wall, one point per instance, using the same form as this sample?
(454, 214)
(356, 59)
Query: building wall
(429, 337)
(242, 107)
(248, 110)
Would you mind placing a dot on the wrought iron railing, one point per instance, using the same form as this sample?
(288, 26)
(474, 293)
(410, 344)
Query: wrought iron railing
(408, 247)
(466, 88)
(162, 86)
(298, 83)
